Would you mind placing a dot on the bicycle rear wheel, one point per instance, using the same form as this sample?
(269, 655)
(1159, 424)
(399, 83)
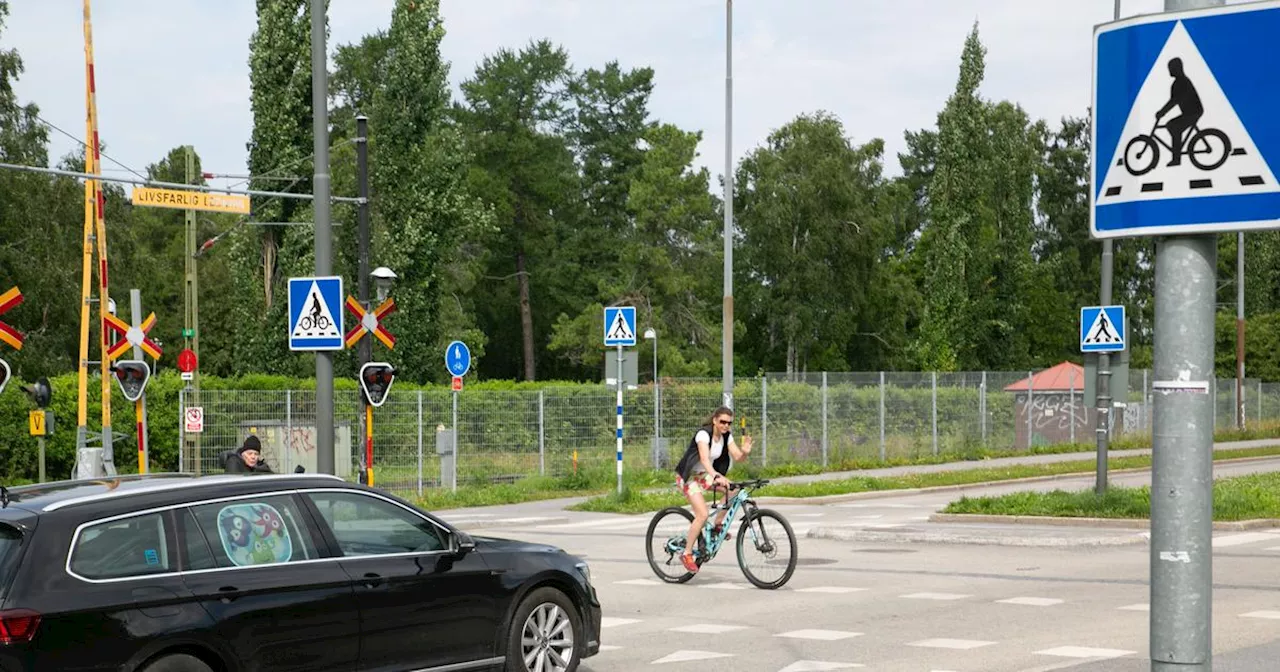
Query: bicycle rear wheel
(768, 534)
(664, 542)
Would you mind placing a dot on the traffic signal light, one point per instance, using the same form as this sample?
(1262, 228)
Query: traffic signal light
(132, 376)
(40, 392)
(375, 380)
(5, 374)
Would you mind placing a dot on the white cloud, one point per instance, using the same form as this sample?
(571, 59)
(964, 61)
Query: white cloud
(176, 71)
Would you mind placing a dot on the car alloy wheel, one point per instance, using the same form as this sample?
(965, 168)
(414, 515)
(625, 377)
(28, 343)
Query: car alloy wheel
(546, 643)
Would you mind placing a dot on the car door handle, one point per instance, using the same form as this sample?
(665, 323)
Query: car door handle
(228, 593)
(372, 580)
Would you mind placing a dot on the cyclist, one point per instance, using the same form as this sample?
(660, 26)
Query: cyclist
(711, 452)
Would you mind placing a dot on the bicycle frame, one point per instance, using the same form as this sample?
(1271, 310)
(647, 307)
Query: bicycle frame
(711, 541)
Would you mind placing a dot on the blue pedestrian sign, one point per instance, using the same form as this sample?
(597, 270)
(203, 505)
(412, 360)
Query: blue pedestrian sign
(620, 325)
(315, 313)
(1102, 329)
(1184, 109)
(457, 358)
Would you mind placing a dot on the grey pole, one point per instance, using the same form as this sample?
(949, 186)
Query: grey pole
(727, 357)
(144, 447)
(362, 179)
(1240, 330)
(323, 250)
(1103, 417)
(1182, 447)
(657, 429)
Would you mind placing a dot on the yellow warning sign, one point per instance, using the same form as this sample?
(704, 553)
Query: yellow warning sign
(190, 200)
(35, 420)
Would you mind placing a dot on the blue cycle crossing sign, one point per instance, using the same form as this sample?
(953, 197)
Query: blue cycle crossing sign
(1184, 108)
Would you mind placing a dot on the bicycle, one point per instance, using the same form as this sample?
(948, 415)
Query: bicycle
(671, 544)
(1195, 135)
(321, 322)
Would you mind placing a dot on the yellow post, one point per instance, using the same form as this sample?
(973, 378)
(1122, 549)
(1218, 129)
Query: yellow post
(368, 444)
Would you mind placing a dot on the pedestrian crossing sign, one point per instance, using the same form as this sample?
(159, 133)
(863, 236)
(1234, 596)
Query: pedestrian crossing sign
(619, 325)
(1102, 329)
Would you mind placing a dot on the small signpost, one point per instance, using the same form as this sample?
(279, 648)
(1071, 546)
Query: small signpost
(620, 331)
(457, 359)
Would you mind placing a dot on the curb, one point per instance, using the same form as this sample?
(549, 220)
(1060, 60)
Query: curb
(918, 536)
(1114, 523)
(878, 494)
(507, 522)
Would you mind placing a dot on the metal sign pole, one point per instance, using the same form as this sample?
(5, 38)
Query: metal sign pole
(619, 432)
(454, 438)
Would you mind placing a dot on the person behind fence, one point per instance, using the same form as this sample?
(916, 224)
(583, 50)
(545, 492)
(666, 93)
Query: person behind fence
(247, 459)
(703, 468)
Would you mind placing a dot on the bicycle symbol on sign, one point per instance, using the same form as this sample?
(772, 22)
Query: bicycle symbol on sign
(1207, 148)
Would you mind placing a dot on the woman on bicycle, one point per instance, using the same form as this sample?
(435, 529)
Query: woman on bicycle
(702, 469)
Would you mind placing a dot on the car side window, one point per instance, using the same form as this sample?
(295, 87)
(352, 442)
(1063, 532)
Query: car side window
(366, 525)
(195, 548)
(127, 547)
(256, 531)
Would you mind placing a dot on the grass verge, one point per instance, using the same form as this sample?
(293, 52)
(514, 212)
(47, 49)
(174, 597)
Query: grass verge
(634, 502)
(1238, 498)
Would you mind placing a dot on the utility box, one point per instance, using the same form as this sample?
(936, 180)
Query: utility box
(444, 448)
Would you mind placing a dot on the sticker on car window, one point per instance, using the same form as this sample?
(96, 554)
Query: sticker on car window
(254, 534)
(151, 557)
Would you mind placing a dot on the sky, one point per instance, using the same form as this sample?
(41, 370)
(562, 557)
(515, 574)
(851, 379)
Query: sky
(174, 72)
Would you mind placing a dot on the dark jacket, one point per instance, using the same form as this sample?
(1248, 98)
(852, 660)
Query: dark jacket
(721, 464)
(232, 463)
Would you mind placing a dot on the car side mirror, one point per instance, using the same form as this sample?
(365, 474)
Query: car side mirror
(461, 543)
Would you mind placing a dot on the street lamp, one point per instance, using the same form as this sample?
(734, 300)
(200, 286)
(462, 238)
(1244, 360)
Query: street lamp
(383, 278)
(657, 404)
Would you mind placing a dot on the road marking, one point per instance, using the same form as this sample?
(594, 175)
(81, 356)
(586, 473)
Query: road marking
(1031, 601)
(1241, 539)
(884, 526)
(864, 505)
(683, 656)
(1084, 652)
(934, 596)
(1136, 607)
(1274, 615)
(817, 666)
(835, 590)
(613, 621)
(609, 647)
(950, 643)
(824, 635)
(640, 582)
(1273, 548)
(596, 522)
(806, 515)
(725, 586)
(708, 628)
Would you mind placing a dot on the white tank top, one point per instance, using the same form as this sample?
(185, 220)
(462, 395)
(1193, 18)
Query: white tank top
(714, 452)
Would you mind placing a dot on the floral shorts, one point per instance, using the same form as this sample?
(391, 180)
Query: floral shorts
(702, 481)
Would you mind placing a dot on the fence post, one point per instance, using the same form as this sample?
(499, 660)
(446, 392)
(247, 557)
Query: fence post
(764, 421)
(542, 445)
(824, 419)
(419, 443)
(882, 448)
(982, 407)
(288, 431)
(1031, 395)
(1259, 402)
(182, 427)
(1235, 405)
(1071, 376)
(934, 376)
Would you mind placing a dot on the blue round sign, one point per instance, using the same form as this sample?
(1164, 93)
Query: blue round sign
(457, 358)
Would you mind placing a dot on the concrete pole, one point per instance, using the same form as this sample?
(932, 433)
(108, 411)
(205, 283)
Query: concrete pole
(1103, 416)
(323, 242)
(365, 346)
(727, 357)
(1182, 446)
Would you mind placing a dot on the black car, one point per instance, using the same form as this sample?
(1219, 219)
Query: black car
(175, 573)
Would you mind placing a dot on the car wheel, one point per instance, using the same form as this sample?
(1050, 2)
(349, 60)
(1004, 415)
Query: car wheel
(545, 634)
(178, 663)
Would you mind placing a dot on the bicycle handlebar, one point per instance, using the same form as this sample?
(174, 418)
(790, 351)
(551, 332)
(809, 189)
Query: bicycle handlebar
(752, 484)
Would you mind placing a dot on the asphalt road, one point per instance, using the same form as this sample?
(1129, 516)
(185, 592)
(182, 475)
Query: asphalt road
(908, 595)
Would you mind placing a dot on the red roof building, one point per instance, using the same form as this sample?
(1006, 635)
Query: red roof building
(1062, 377)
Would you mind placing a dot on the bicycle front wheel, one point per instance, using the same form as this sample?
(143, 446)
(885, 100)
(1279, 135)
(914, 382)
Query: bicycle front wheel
(1141, 155)
(664, 543)
(766, 538)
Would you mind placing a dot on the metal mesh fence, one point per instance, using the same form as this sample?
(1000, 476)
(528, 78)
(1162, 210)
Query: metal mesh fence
(813, 418)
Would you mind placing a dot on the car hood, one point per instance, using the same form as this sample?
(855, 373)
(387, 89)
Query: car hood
(501, 545)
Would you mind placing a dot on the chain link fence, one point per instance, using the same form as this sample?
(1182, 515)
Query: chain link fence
(816, 418)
